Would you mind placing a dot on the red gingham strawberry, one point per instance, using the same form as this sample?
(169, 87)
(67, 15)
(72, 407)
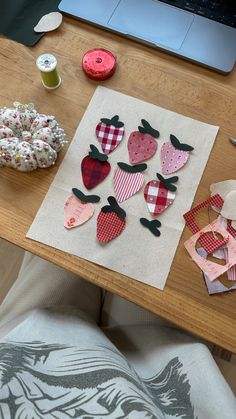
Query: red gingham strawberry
(142, 144)
(111, 221)
(174, 155)
(109, 133)
(160, 194)
(94, 167)
(128, 180)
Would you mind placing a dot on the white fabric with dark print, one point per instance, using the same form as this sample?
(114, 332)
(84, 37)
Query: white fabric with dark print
(58, 364)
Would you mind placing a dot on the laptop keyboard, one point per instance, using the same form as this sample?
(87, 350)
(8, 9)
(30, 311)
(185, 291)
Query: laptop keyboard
(220, 11)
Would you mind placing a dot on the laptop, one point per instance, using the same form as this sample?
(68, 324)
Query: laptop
(203, 31)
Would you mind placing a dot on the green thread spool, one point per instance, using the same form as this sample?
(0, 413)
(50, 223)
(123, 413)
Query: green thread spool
(47, 65)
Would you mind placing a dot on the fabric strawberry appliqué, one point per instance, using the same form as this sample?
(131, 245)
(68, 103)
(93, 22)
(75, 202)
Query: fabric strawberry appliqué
(111, 221)
(160, 194)
(142, 144)
(174, 155)
(128, 180)
(78, 208)
(110, 133)
(94, 167)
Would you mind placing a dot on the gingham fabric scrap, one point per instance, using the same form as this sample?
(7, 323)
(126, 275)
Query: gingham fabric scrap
(207, 240)
(109, 137)
(158, 197)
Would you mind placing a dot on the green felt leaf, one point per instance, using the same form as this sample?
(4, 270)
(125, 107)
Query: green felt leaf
(173, 179)
(95, 154)
(148, 129)
(105, 121)
(178, 145)
(85, 198)
(113, 121)
(151, 225)
(114, 207)
(168, 182)
(137, 168)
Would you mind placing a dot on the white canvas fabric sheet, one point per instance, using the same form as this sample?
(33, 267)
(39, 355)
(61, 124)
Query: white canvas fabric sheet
(136, 252)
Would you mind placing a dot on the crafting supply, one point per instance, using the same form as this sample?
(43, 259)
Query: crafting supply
(99, 64)
(47, 65)
(49, 22)
(29, 139)
(232, 140)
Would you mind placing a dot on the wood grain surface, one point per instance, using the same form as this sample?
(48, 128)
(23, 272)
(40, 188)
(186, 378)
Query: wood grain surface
(149, 75)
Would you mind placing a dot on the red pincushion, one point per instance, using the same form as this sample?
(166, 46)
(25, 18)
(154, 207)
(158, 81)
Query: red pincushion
(99, 64)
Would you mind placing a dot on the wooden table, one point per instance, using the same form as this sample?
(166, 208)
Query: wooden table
(155, 77)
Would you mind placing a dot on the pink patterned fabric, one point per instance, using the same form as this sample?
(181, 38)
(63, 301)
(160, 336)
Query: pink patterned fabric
(172, 159)
(207, 240)
(141, 147)
(211, 269)
(126, 184)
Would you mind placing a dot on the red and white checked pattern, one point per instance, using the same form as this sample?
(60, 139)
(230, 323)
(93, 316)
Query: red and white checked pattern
(158, 197)
(207, 240)
(230, 229)
(126, 184)
(109, 136)
(109, 226)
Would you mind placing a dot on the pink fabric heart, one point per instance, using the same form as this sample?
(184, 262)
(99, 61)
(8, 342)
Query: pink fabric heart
(76, 212)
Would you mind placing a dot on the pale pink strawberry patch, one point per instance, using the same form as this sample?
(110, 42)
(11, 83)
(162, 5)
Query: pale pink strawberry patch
(174, 155)
(172, 159)
(76, 212)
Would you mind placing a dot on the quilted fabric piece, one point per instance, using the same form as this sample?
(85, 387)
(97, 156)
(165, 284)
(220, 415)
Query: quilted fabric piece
(158, 197)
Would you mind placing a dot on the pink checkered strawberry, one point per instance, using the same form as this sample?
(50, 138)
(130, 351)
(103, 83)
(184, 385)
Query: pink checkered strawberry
(160, 194)
(142, 144)
(110, 133)
(111, 221)
(128, 180)
(174, 155)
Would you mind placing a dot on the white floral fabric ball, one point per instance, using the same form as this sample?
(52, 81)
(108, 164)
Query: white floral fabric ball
(29, 139)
